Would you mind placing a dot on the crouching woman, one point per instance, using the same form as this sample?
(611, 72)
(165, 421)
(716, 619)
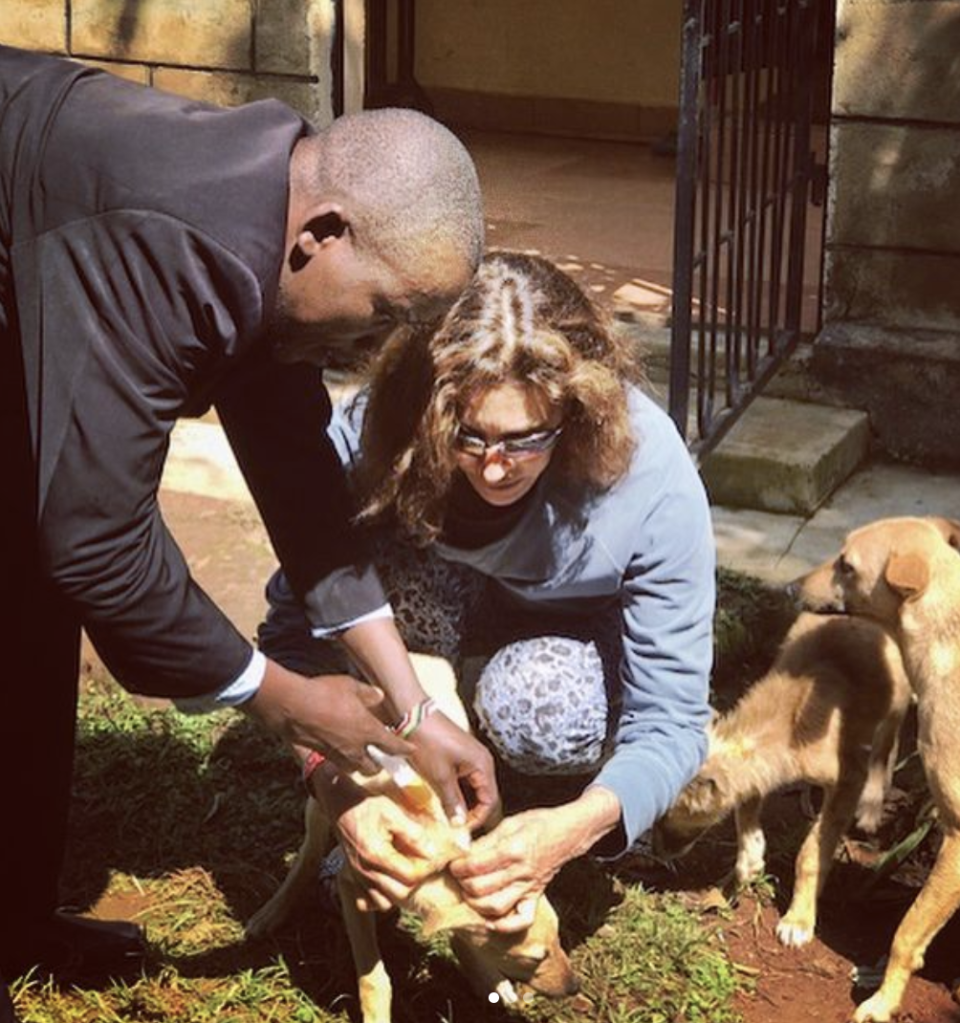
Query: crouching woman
(533, 503)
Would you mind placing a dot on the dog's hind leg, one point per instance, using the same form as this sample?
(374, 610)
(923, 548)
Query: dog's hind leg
(933, 907)
(815, 858)
(373, 981)
(751, 843)
(301, 876)
(883, 760)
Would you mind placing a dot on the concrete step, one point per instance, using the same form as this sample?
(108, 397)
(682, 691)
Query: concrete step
(783, 455)
(786, 456)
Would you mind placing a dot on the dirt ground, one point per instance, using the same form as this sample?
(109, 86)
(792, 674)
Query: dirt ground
(854, 929)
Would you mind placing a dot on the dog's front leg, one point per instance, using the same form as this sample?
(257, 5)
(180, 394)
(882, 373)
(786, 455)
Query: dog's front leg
(751, 843)
(933, 907)
(373, 981)
(485, 980)
(301, 876)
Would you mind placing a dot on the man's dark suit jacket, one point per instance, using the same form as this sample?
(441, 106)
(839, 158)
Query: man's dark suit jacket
(141, 239)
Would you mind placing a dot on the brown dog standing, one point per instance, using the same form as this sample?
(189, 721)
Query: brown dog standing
(828, 712)
(905, 573)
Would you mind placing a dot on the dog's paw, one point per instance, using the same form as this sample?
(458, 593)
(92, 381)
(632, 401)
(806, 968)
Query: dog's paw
(874, 1010)
(794, 933)
(870, 813)
(751, 857)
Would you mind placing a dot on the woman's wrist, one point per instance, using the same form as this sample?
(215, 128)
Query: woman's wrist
(590, 817)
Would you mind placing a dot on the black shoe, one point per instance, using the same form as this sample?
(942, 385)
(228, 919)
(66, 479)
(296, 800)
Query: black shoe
(7, 1015)
(74, 949)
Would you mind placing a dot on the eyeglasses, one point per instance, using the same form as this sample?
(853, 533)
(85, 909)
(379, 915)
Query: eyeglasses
(524, 445)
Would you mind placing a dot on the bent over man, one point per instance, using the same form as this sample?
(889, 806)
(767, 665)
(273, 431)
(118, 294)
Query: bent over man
(158, 257)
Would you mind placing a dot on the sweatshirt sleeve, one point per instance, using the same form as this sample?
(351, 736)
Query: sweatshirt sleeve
(668, 598)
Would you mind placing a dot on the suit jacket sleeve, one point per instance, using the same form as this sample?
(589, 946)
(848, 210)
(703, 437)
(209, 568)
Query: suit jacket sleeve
(276, 418)
(131, 314)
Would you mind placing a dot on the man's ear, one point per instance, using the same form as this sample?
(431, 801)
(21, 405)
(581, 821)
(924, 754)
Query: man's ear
(322, 226)
(908, 574)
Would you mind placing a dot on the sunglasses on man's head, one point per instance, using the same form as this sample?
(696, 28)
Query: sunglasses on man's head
(520, 445)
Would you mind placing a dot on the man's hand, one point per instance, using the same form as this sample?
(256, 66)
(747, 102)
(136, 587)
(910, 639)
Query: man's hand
(389, 851)
(446, 755)
(331, 713)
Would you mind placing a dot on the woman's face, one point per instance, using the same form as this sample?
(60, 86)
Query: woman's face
(508, 412)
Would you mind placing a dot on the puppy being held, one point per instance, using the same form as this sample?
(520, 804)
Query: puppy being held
(828, 713)
(905, 573)
(492, 960)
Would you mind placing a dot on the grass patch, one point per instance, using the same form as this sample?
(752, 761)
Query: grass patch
(187, 824)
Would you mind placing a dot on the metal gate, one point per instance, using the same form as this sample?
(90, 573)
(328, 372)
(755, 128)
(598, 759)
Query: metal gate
(755, 75)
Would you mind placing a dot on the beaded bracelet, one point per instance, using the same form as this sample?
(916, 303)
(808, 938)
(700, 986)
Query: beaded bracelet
(312, 762)
(414, 718)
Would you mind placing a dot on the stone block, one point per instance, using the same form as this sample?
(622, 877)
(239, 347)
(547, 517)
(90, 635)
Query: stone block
(34, 24)
(229, 90)
(293, 37)
(785, 456)
(906, 288)
(179, 32)
(908, 381)
(131, 72)
(896, 186)
(897, 60)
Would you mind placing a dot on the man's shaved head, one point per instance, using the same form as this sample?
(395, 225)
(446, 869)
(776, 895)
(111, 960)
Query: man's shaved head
(407, 183)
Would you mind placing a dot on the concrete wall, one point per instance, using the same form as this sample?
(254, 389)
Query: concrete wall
(607, 68)
(222, 51)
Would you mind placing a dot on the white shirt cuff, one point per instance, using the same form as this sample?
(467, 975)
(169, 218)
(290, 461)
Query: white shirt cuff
(236, 692)
(323, 632)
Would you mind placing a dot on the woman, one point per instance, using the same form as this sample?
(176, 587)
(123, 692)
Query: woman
(531, 500)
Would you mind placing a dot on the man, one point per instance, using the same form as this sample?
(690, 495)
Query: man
(157, 257)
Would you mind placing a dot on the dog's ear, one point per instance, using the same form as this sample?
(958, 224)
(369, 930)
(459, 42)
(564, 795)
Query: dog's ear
(908, 574)
(701, 794)
(456, 917)
(949, 528)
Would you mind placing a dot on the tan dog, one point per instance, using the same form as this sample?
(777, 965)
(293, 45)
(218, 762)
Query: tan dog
(905, 572)
(491, 960)
(829, 713)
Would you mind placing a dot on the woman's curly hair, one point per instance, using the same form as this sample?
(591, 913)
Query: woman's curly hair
(520, 319)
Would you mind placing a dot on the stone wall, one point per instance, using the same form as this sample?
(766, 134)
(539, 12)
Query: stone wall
(894, 251)
(891, 337)
(221, 51)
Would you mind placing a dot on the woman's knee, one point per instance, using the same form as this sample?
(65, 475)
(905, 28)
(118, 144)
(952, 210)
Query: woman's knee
(543, 705)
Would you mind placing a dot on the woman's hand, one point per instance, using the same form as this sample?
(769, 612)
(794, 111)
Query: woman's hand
(506, 871)
(449, 758)
(331, 713)
(389, 851)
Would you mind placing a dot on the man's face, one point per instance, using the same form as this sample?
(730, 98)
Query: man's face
(339, 306)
